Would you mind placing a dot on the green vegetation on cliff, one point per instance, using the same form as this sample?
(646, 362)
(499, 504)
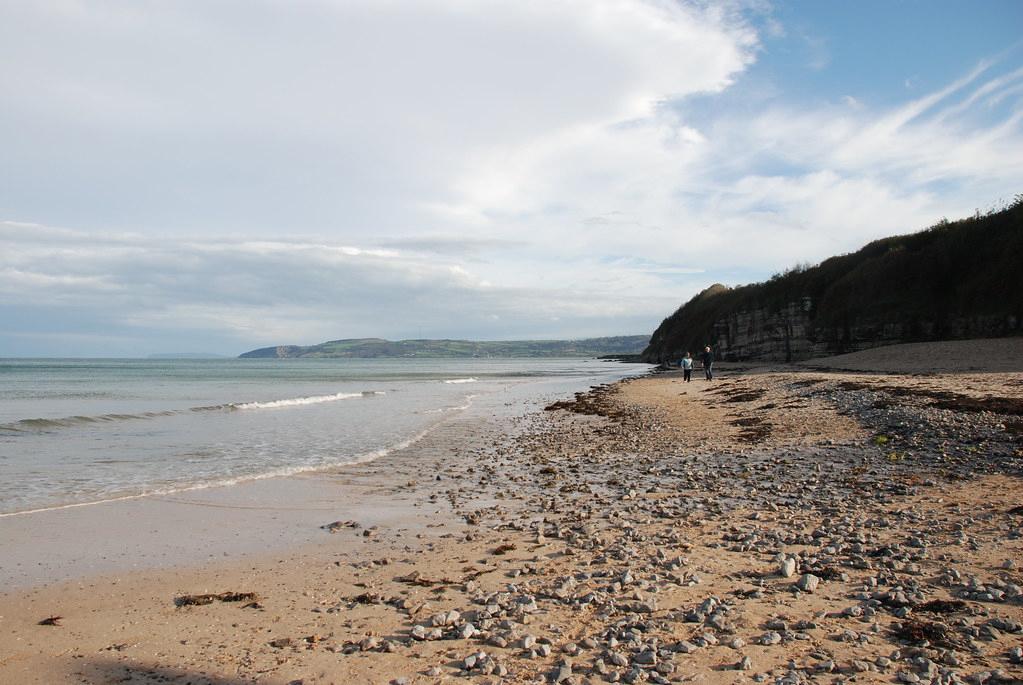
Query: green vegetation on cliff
(377, 347)
(955, 280)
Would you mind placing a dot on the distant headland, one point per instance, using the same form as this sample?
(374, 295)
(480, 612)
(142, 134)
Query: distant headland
(365, 348)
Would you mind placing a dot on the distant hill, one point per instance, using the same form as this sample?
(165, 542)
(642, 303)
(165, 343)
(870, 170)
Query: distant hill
(377, 347)
(956, 280)
(186, 355)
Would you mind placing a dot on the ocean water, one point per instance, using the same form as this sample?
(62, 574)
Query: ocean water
(79, 431)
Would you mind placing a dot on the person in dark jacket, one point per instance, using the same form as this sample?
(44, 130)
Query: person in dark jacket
(708, 363)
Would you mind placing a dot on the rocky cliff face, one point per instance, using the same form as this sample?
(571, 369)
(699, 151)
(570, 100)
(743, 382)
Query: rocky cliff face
(953, 281)
(790, 334)
(760, 334)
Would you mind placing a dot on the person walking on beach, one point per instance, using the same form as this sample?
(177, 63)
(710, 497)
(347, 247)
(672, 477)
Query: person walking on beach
(708, 363)
(687, 368)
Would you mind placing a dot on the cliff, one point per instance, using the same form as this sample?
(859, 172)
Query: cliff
(956, 280)
(377, 347)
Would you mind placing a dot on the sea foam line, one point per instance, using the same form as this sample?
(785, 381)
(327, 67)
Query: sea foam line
(461, 380)
(40, 425)
(275, 473)
(299, 401)
(458, 407)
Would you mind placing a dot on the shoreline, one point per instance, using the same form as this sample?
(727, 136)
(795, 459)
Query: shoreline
(639, 532)
(177, 529)
(67, 543)
(153, 430)
(224, 484)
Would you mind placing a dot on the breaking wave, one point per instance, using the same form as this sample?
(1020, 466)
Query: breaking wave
(280, 472)
(71, 421)
(299, 401)
(42, 425)
(461, 380)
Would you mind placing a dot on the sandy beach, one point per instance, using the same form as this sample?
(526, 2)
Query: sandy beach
(852, 519)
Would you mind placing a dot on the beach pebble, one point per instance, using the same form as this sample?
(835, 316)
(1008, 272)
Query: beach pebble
(645, 658)
(563, 673)
(827, 666)
(808, 582)
(859, 666)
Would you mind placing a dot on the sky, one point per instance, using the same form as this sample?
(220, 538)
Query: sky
(220, 175)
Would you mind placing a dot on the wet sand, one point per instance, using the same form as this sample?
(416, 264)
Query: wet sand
(780, 524)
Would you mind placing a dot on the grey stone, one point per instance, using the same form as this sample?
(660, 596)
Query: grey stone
(787, 567)
(647, 658)
(808, 582)
(686, 647)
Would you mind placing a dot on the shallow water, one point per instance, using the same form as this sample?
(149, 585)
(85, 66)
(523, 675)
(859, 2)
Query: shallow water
(78, 431)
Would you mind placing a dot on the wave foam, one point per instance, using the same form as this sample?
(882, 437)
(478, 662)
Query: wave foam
(281, 472)
(70, 421)
(460, 407)
(461, 380)
(43, 425)
(298, 401)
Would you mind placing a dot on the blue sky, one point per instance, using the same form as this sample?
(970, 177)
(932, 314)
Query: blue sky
(224, 175)
(882, 50)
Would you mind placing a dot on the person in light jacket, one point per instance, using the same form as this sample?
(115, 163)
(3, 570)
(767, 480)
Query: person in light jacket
(687, 367)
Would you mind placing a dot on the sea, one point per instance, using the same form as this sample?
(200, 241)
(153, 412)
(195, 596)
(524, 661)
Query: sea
(74, 432)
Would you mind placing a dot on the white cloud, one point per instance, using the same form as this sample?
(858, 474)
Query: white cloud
(250, 293)
(18, 280)
(491, 169)
(784, 185)
(362, 91)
